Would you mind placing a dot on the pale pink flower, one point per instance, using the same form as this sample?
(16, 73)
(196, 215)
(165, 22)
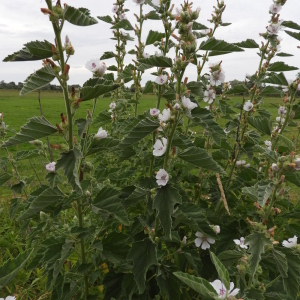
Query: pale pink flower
(146, 55)
(203, 241)
(282, 110)
(248, 106)
(122, 17)
(275, 168)
(162, 177)
(292, 242)
(160, 147)
(154, 112)
(112, 105)
(165, 116)
(51, 167)
(187, 103)
(217, 77)
(241, 243)
(268, 144)
(97, 67)
(115, 9)
(161, 79)
(101, 134)
(275, 8)
(221, 290)
(209, 96)
(176, 106)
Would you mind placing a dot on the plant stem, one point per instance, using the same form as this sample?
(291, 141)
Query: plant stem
(35, 172)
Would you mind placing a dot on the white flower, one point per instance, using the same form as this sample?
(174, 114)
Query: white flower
(292, 242)
(217, 77)
(0, 115)
(101, 134)
(154, 112)
(158, 53)
(176, 106)
(187, 103)
(156, 2)
(297, 162)
(203, 241)
(9, 298)
(206, 76)
(160, 147)
(161, 79)
(274, 28)
(97, 67)
(241, 243)
(189, 26)
(122, 17)
(88, 193)
(165, 116)
(275, 8)
(112, 105)
(248, 106)
(67, 41)
(275, 167)
(215, 228)
(240, 163)
(184, 240)
(162, 177)
(298, 87)
(268, 144)
(146, 55)
(51, 167)
(221, 290)
(115, 9)
(282, 110)
(247, 165)
(276, 129)
(205, 31)
(139, 2)
(208, 108)
(178, 11)
(209, 96)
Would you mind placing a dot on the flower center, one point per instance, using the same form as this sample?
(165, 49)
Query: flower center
(222, 291)
(93, 65)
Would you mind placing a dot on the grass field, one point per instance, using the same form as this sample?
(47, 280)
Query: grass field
(17, 110)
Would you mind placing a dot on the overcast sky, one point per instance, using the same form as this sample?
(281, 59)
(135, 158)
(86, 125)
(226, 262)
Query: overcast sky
(21, 22)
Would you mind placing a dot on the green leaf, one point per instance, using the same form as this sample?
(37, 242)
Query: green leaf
(164, 202)
(216, 45)
(124, 24)
(127, 73)
(82, 124)
(200, 158)
(112, 68)
(22, 55)
(92, 92)
(261, 124)
(225, 24)
(157, 61)
(195, 87)
(4, 177)
(270, 90)
(170, 94)
(283, 54)
(238, 89)
(107, 144)
(293, 34)
(247, 44)
(108, 200)
(222, 272)
(290, 145)
(141, 130)
(148, 87)
(69, 161)
(107, 55)
(154, 36)
(225, 108)
(260, 192)
(102, 119)
(42, 49)
(79, 17)
(152, 15)
(200, 285)
(257, 242)
(45, 199)
(278, 79)
(35, 128)
(12, 266)
(291, 24)
(25, 154)
(272, 155)
(230, 257)
(280, 66)
(38, 79)
(281, 262)
(293, 177)
(106, 19)
(144, 255)
(291, 282)
(198, 26)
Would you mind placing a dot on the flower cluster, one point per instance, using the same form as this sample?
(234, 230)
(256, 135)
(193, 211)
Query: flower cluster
(280, 119)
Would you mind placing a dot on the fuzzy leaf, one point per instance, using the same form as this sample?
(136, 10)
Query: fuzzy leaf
(124, 24)
(230, 257)
(106, 19)
(270, 90)
(42, 49)
(200, 158)
(12, 266)
(157, 61)
(261, 124)
(144, 255)
(200, 285)
(69, 163)
(195, 87)
(238, 89)
(79, 17)
(293, 177)
(164, 202)
(198, 26)
(107, 55)
(102, 119)
(108, 200)
(257, 242)
(4, 177)
(283, 54)
(154, 36)
(152, 15)
(22, 55)
(35, 128)
(222, 272)
(82, 124)
(291, 24)
(107, 144)
(92, 92)
(295, 35)
(37, 80)
(46, 198)
(290, 145)
(141, 130)
(280, 66)
(278, 79)
(247, 44)
(281, 262)
(148, 87)
(216, 45)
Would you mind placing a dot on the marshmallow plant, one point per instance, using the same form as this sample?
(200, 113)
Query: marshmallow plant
(189, 199)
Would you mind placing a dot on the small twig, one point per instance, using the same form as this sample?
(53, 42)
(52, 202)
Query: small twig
(222, 193)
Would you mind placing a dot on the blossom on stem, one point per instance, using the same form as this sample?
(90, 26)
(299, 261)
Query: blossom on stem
(162, 177)
(275, 168)
(139, 2)
(154, 112)
(112, 105)
(274, 28)
(275, 8)
(122, 17)
(101, 134)
(187, 103)
(51, 167)
(282, 110)
(9, 298)
(248, 106)
(217, 77)
(160, 147)
(97, 67)
(241, 243)
(203, 241)
(209, 96)
(115, 9)
(268, 144)
(221, 290)
(146, 55)
(290, 243)
(161, 79)
(165, 116)
(158, 53)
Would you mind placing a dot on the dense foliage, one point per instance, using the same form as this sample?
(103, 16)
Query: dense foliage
(169, 204)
